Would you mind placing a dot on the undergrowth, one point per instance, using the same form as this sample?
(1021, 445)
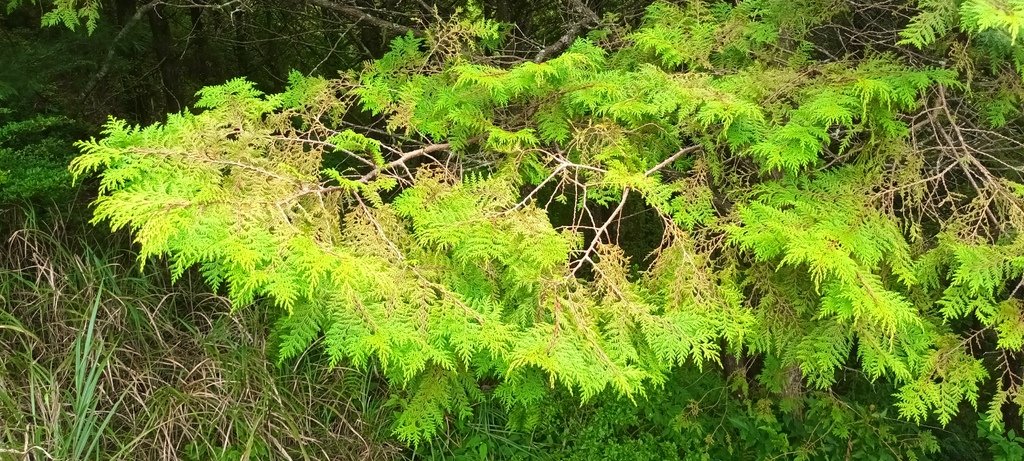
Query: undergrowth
(103, 361)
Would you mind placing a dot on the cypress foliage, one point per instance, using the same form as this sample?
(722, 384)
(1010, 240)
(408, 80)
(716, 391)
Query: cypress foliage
(818, 212)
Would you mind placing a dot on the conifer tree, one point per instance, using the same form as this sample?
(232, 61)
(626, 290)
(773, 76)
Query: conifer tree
(454, 219)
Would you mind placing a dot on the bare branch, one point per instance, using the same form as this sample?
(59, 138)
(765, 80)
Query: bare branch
(358, 14)
(601, 231)
(400, 161)
(670, 159)
(105, 68)
(585, 17)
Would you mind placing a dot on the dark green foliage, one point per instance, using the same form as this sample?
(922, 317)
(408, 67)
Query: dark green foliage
(704, 417)
(34, 153)
(700, 416)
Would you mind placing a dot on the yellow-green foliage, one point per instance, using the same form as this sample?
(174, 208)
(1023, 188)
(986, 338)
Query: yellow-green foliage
(430, 250)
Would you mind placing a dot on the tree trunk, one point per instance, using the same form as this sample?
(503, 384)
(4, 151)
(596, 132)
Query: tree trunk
(170, 79)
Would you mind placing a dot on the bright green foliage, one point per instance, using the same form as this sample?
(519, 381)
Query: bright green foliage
(469, 236)
(996, 23)
(67, 13)
(939, 17)
(1006, 17)
(810, 228)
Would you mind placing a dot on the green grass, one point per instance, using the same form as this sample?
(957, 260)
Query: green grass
(99, 360)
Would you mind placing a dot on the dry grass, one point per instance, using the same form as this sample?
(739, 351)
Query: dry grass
(99, 360)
